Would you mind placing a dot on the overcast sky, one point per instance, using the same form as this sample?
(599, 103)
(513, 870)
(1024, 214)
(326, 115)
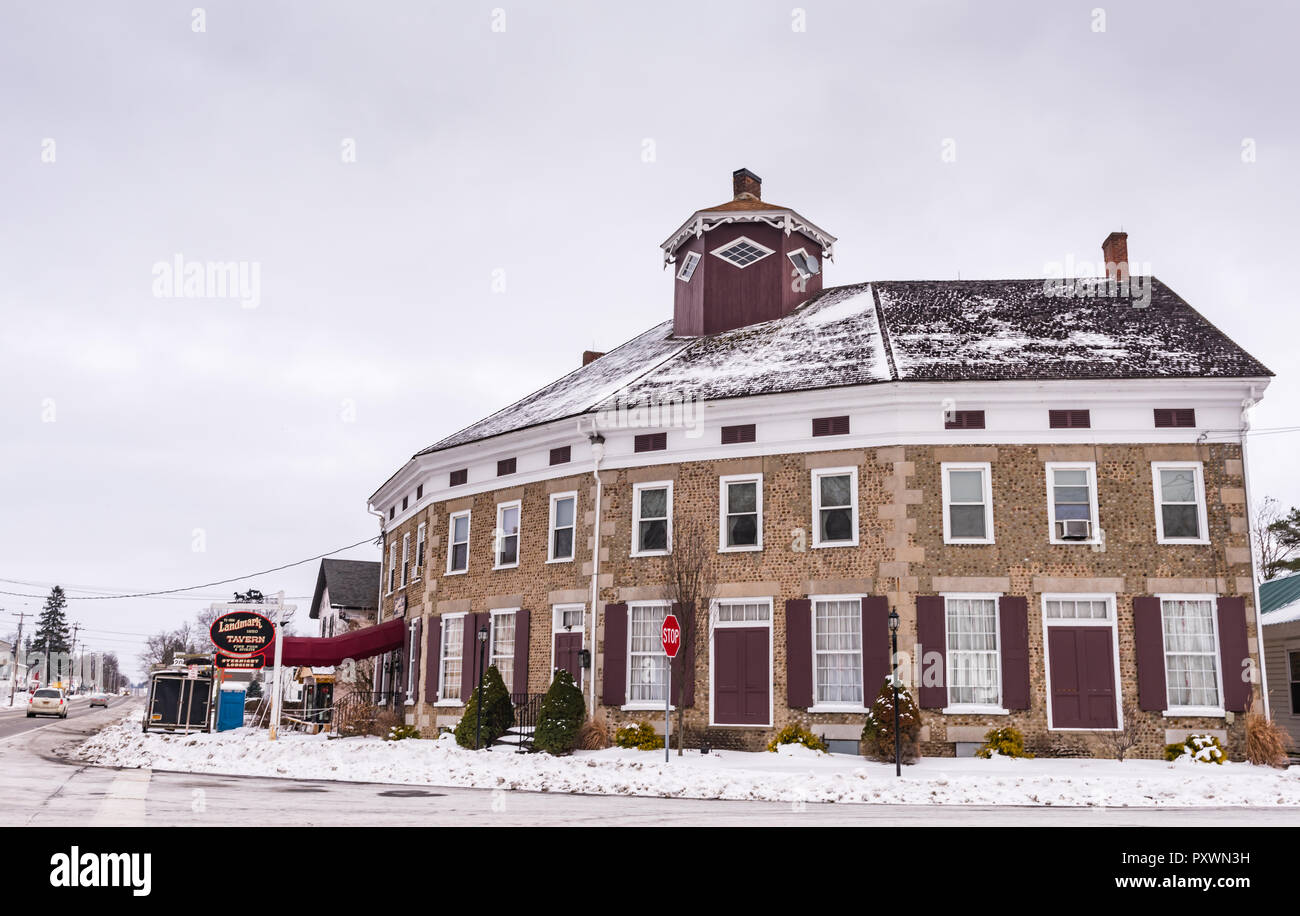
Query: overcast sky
(558, 144)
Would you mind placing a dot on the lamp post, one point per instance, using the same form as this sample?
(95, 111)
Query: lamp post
(478, 726)
(893, 645)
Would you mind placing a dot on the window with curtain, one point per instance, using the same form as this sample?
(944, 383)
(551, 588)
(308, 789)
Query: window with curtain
(501, 652)
(837, 652)
(1191, 655)
(646, 663)
(453, 647)
(974, 669)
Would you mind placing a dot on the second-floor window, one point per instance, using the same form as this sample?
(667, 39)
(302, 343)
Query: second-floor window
(652, 513)
(564, 507)
(835, 507)
(1072, 502)
(458, 543)
(1180, 502)
(507, 549)
(406, 558)
(967, 503)
(419, 549)
(742, 512)
(392, 565)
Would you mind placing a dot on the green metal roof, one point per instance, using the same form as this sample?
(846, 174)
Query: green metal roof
(1278, 593)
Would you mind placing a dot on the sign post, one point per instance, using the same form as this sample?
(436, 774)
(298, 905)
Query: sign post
(241, 636)
(671, 637)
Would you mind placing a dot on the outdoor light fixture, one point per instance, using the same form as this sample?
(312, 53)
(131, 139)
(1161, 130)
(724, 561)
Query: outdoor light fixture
(893, 679)
(584, 658)
(478, 726)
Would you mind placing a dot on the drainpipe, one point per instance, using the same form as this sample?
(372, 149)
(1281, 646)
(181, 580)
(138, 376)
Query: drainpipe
(379, 601)
(597, 453)
(1250, 536)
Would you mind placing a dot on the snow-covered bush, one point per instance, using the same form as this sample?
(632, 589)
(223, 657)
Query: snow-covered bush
(878, 733)
(1199, 748)
(561, 715)
(1003, 742)
(797, 734)
(640, 736)
(498, 713)
(401, 732)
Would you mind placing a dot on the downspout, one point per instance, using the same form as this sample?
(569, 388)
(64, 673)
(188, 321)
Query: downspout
(597, 453)
(1250, 536)
(379, 601)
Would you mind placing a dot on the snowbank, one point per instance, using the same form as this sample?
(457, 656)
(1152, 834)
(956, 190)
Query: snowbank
(806, 777)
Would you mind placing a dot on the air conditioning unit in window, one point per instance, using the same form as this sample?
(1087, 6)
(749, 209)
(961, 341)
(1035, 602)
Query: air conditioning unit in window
(1074, 529)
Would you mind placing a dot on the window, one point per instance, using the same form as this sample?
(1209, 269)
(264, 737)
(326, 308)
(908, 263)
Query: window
(406, 557)
(1069, 419)
(1180, 503)
(505, 466)
(830, 426)
(967, 503)
(419, 549)
(560, 455)
(835, 507)
(568, 617)
(563, 512)
(1293, 664)
(501, 646)
(837, 652)
(1191, 654)
(1078, 608)
(392, 512)
(734, 435)
(1167, 417)
(458, 543)
(458, 478)
(742, 252)
(963, 419)
(646, 662)
(687, 269)
(449, 666)
(651, 442)
(1072, 502)
(652, 513)
(405, 502)
(804, 263)
(742, 611)
(507, 535)
(392, 566)
(974, 663)
(419, 492)
(412, 675)
(741, 502)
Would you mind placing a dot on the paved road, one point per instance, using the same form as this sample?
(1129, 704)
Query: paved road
(39, 786)
(14, 721)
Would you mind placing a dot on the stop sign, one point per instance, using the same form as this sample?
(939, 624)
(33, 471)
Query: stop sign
(671, 635)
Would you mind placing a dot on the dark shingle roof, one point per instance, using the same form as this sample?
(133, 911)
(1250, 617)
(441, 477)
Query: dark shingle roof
(351, 583)
(948, 330)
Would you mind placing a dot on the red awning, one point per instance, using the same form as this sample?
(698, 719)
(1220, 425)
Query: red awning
(324, 651)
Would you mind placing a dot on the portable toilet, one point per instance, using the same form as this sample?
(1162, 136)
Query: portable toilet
(230, 710)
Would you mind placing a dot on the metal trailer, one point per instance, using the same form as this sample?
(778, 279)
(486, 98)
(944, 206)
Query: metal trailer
(180, 700)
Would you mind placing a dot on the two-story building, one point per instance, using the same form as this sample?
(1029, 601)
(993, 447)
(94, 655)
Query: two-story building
(1044, 479)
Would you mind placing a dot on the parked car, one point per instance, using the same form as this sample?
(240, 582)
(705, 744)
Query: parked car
(99, 699)
(48, 701)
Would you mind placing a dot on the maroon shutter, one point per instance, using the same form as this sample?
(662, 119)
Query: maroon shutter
(830, 426)
(1013, 621)
(1148, 635)
(932, 646)
(964, 419)
(684, 663)
(733, 435)
(798, 653)
(433, 660)
(614, 689)
(411, 674)
(875, 646)
(469, 663)
(1233, 653)
(521, 652)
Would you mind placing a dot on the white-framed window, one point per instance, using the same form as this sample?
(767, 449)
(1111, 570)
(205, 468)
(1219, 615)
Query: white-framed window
(1180, 502)
(501, 644)
(689, 263)
(392, 566)
(450, 664)
(507, 535)
(1079, 609)
(1293, 669)
(740, 502)
(1193, 681)
(837, 652)
(652, 519)
(741, 252)
(974, 657)
(412, 675)
(419, 549)
(1072, 502)
(835, 507)
(967, 502)
(406, 558)
(804, 263)
(458, 543)
(562, 527)
(647, 666)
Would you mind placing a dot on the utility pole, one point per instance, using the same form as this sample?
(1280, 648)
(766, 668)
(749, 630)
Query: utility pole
(13, 675)
(72, 655)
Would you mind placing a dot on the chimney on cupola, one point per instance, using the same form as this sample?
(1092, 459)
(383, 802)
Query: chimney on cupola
(745, 185)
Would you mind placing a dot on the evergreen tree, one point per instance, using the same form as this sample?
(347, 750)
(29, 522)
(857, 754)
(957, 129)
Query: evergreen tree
(52, 633)
(254, 689)
(563, 710)
(498, 712)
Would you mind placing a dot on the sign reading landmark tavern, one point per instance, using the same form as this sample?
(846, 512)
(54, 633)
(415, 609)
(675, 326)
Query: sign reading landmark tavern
(242, 633)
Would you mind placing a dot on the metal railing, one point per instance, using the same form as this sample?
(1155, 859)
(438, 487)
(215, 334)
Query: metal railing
(528, 708)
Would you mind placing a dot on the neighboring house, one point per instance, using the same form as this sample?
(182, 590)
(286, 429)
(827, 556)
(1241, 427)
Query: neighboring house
(1279, 600)
(347, 595)
(1044, 479)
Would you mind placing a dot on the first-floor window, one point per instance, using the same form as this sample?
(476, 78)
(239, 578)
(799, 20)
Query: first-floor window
(501, 651)
(646, 663)
(412, 634)
(1191, 654)
(1293, 662)
(974, 668)
(453, 647)
(837, 651)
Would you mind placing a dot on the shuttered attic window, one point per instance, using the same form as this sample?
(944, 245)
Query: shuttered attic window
(651, 442)
(830, 426)
(505, 466)
(733, 435)
(419, 492)
(1171, 417)
(560, 455)
(963, 419)
(1069, 419)
(458, 478)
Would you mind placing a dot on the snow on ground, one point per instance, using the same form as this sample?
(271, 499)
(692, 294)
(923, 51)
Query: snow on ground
(795, 776)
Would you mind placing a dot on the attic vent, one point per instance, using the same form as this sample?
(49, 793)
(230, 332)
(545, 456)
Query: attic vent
(458, 478)
(561, 455)
(733, 435)
(1169, 417)
(1069, 419)
(963, 419)
(830, 426)
(651, 442)
(506, 466)
(742, 252)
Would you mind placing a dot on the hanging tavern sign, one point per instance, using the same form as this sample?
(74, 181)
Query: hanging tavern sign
(237, 662)
(242, 633)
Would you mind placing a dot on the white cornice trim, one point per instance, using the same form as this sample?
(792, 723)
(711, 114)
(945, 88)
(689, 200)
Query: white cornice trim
(787, 221)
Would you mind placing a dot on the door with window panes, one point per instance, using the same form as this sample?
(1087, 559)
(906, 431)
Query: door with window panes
(1081, 659)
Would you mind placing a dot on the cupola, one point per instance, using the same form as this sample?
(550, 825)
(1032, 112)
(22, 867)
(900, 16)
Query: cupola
(743, 261)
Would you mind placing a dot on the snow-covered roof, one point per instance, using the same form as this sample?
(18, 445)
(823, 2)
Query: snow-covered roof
(948, 330)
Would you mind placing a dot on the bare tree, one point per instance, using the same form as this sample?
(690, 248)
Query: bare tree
(688, 582)
(1269, 552)
(1118, 743)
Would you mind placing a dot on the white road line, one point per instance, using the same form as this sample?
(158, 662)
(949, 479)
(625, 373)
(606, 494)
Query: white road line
(124, 805)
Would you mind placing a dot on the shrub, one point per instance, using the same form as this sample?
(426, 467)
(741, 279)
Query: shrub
(1266, 741)
(498, 714)
(593, 735)
(878, 733)
(1200, 748)
(560, 716)
(640, 736)
(401, 732)
(375, 721)
(1004, 742)
(797, 734)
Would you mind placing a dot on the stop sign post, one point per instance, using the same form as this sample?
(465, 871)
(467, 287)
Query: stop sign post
(671, 637)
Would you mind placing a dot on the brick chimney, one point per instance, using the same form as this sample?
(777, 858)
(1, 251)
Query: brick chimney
(1114, 252)
(590, 356)
(746, 185)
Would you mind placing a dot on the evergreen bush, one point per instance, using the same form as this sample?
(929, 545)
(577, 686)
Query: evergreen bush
(401, 732)
(1004, 742)
(1200, 748)
(640, 736)
(797, 734)
(878, 733)
(498, 713)
(561, 715)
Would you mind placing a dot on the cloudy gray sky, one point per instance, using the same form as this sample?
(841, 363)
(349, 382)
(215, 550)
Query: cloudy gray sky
(559, 151)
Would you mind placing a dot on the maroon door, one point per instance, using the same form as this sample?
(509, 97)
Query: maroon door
(741, 679)
(1083, 677)
(567, 646)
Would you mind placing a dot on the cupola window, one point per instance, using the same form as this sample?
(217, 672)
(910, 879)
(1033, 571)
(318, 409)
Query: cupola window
(742, 252)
